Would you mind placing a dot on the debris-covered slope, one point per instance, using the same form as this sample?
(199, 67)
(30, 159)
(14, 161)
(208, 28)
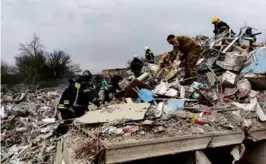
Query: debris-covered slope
(28, 126)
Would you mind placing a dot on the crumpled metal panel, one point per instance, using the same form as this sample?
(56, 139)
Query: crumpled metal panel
(259, 64)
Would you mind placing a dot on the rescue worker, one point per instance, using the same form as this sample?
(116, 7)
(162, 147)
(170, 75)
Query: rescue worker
(103, 93)
(189, 55)
(163, 62)
(149, 55)
(219, 26)
(115, 79)
(76, 97)
(136, 66)
(97, 82)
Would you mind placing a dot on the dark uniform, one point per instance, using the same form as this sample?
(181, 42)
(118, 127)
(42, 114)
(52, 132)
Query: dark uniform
(115, 79)
(191, 51)
(220, 27)
(76, 97)
(97, 82)
(136, 66)
(149, 56)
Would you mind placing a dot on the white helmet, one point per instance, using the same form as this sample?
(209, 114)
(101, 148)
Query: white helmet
(146, 48)
(136, 56)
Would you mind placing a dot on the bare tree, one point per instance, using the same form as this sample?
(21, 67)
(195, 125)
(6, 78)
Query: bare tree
(33, 48)
(74, 69)
(60, 64)
(34, 64)
(30, 63)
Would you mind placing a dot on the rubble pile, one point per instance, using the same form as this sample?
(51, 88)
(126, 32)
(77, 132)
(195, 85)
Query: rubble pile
(28, 126)
(227, 95)
(85, 148)
(224, 96)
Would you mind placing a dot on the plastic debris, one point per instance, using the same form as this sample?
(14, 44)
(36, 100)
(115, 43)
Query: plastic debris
(176, 104)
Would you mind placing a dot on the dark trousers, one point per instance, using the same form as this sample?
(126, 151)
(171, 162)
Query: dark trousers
(71, 113)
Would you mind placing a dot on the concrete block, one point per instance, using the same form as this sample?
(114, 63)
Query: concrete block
(233, 61)
(211, 78)
(228, 79)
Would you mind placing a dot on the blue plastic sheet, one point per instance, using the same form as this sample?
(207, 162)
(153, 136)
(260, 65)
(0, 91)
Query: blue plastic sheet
(145, 95)
(260, 67)
(176, 104)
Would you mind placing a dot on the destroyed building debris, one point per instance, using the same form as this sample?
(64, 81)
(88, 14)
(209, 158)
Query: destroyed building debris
(220, 99)
(28, 127)
(223, 99)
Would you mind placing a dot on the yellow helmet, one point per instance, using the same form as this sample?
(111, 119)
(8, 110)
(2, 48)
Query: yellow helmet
(215, 19)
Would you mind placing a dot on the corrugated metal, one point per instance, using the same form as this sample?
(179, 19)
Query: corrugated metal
(259, 64)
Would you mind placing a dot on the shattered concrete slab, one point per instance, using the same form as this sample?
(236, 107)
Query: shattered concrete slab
(115, 112)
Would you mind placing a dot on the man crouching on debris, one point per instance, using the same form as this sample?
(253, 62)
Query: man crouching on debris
(190, 52)
(164, 62)
(76, 97)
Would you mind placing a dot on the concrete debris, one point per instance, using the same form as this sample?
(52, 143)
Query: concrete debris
(243, 87)
(260, 113)
(233, 61)
(115, 113)
(159, 110)
(161, 89)
(252, 106)
(182, 92)
(246, 124)
(213, 101)
(201, 158)
(27, 124)
(228, 79)
(253, 94)
(115, 131)
(247, 107)
(3, 113)
(194, 108)
(197, 130)
(211, 78)
(48, 120)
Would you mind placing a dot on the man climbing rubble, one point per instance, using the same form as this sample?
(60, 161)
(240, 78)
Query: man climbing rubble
(136, 66)
(76, 97)
(219, 26)
(149, 55)
(189, 55)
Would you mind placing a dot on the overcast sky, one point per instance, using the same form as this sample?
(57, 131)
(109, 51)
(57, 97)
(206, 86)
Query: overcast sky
(106, 33)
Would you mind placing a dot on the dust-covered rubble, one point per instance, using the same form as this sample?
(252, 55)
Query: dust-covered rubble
(28, 126)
